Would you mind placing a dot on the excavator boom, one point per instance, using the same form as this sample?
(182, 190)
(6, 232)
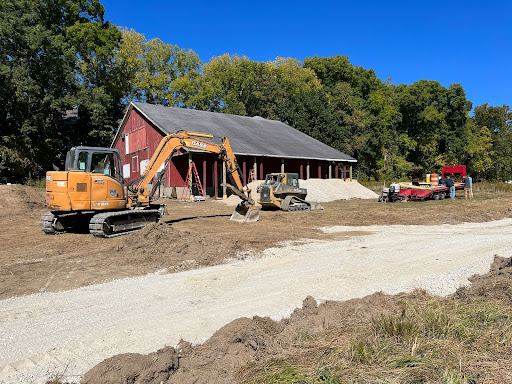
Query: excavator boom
(246, 211)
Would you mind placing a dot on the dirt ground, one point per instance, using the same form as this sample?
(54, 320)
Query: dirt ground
(192, 235)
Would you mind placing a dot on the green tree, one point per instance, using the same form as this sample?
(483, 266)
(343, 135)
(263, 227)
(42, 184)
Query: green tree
(40, 78)
(435, 118)
(151, 66)
(498, 122)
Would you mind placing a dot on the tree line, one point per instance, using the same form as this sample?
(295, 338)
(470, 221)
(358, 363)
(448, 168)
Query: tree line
(61, 55)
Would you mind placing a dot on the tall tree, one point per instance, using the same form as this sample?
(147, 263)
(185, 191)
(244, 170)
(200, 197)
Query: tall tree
(498, 122)
(40, 78)
(152, 65)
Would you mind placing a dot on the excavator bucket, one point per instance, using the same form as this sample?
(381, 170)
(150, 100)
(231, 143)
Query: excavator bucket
(246, 213)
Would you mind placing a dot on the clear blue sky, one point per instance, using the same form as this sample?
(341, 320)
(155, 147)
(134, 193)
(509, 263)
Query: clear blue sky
(466, 42)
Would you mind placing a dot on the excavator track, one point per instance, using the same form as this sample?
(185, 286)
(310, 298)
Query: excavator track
(47, 224)
(112, 224)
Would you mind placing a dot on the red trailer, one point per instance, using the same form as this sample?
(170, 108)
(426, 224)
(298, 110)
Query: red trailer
(423, 190)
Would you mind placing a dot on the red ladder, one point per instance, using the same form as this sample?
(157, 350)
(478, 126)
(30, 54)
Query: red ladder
(192, 172)
(251, 176)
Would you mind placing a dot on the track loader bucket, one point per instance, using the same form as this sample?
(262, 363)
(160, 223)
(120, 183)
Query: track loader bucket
(316, 206)
(246, 213)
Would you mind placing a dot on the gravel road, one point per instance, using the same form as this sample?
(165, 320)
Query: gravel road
(67, 333)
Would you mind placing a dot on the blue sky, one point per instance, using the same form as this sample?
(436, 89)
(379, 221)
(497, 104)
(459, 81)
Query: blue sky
(465, 42)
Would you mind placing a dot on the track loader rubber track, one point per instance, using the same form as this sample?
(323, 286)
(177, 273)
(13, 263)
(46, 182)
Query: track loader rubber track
(294, 203)
(112, 224)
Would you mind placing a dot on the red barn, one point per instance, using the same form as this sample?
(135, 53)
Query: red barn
(260, 145)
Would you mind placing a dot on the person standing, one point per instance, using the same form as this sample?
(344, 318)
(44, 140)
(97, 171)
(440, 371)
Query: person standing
(449, 183)
(467, 187)
(470, 187)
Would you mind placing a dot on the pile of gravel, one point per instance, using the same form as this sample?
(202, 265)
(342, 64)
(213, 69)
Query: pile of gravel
(319, 190)
(324, 190)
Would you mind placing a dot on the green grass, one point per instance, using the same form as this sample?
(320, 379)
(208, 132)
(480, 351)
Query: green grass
(38, 183)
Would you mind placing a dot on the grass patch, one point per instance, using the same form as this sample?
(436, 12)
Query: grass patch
(37, 183)
(492, 187)
(440, 341)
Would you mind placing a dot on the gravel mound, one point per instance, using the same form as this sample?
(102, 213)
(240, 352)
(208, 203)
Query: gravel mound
(324, 190)
(319, 190)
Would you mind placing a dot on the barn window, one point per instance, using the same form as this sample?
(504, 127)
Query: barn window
(135, 164)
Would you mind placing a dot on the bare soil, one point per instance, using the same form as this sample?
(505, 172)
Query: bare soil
(192, 235)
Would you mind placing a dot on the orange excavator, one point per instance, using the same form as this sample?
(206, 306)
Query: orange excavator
(89, 194)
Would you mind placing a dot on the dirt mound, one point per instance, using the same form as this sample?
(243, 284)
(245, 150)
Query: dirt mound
(179, 250)
(135, 368)
(20, 199)
(494, 286)
(329, 329)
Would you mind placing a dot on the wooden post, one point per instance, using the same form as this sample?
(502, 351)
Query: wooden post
(344, 173)
(255, 166)
(350, 170)
(244, 172)
(320, 171)
(282, 165)
(216, 180)
(224, 195)
(261, 171)
(336, 172)
(307, 171)
(302, 171)
(330, 171)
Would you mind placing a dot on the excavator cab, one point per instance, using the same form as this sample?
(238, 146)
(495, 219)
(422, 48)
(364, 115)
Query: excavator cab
(92, 180)
(106, 161)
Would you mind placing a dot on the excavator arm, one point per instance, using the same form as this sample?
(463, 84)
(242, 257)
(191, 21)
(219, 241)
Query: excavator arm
(138, 194)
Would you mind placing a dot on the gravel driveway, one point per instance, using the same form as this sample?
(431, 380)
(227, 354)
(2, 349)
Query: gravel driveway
(67, 333)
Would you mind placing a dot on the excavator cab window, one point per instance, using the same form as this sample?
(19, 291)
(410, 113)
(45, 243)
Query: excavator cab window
(105, 164)
(83, 157)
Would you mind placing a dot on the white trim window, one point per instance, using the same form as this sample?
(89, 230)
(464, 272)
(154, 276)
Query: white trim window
(135, 164)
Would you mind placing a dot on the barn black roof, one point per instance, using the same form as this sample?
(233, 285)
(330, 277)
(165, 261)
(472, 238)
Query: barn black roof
(252, 136)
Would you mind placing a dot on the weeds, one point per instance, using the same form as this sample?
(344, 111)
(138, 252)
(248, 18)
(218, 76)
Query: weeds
(441, 341)
(38, 183)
